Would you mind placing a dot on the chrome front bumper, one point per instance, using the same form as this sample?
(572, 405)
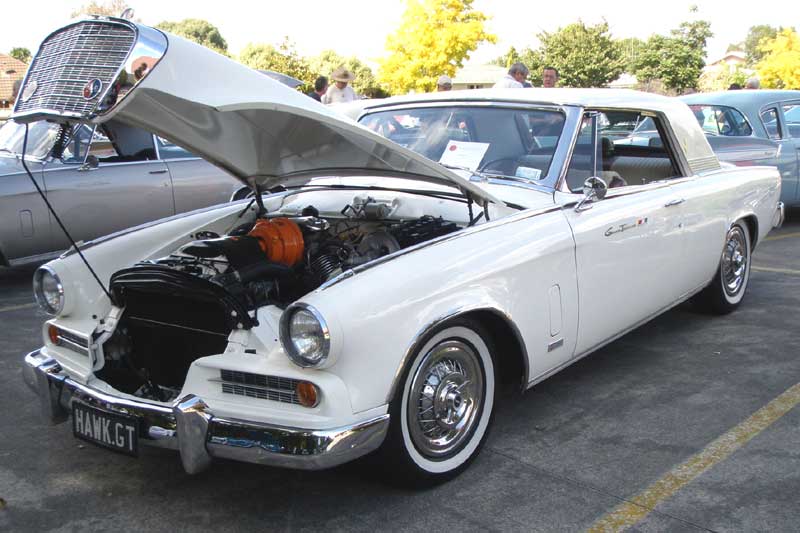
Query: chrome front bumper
(190, 427)
(780, 214)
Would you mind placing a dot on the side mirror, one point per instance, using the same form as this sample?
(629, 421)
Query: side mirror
(90, 164)
(594, 189)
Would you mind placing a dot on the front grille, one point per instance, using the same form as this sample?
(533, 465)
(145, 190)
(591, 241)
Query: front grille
(72, 57)
(73, 342)
(273, 388)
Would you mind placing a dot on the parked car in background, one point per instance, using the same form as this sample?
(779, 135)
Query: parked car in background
(368, 298)
(736, 116)
(99, 180)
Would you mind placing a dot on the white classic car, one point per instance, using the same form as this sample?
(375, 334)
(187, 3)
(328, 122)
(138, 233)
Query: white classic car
(367, 298)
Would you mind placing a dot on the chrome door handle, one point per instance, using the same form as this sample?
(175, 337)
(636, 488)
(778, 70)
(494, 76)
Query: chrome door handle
(677, 201)
(162, 171)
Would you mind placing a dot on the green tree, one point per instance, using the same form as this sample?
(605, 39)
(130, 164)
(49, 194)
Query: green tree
(108, 8)
(585, 56)
(631, 48)
(282, 58)
(752, 43)
(678, 59)
(435, 37)
(199, 31)
(779, 67)
(22, 54)
(328, 61)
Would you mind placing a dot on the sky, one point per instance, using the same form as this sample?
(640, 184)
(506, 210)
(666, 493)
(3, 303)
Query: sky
(360, 27)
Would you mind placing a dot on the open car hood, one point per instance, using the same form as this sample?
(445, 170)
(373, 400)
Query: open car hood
(248, 124)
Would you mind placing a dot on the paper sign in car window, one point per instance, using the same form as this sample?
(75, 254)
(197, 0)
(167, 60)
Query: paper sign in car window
(528, 173)
(464, 154)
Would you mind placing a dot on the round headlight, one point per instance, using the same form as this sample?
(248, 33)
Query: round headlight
(305, 336)
(48, 290)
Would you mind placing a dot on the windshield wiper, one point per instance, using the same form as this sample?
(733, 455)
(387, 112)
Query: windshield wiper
(479, 173)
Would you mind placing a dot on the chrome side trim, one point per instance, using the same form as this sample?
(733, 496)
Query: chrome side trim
(190, 426)
(437, 241)
(416, 342)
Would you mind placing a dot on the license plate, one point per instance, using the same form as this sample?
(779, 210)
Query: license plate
(110, 430)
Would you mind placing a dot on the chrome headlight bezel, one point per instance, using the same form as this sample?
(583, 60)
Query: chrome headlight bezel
(39, 290)
(290, 347)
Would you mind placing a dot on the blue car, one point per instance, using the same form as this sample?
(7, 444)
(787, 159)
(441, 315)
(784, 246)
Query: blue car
(767, 114)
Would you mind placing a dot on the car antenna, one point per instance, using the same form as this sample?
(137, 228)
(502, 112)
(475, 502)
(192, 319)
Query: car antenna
(58, 219)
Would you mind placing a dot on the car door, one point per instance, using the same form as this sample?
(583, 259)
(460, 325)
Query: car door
(627, 246)
(109, 189)
(196, 183)
(791, 118)
(772, 118)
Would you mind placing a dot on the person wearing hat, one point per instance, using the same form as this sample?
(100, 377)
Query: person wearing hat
(340, 91)
(444, 83)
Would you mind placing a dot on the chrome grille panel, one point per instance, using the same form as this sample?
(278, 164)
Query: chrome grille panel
(73, 341)
(273, 388)
(72, 57)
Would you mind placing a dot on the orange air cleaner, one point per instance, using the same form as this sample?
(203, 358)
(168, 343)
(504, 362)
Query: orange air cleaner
(280, 239)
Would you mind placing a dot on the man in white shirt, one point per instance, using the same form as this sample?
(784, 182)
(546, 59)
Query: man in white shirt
(515, 77)
(340, 91)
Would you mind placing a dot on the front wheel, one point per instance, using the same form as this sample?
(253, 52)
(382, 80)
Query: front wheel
(726, 290)
(442, 409)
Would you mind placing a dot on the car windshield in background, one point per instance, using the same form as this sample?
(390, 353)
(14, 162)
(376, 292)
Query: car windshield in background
(41, 136)
(721, 120)
(509, 142)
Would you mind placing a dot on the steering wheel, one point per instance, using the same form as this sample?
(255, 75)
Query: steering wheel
(486, 166)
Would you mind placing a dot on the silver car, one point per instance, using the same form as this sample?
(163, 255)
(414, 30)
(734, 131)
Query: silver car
(98, 180)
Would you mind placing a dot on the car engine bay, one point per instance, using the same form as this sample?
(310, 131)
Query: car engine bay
(184, 306)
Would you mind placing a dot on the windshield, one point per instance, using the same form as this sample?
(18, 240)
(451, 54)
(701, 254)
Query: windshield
(41, 136)
(508, 142)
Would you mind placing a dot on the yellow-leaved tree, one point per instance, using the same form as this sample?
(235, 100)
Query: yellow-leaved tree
(434, 38)
(779, 67)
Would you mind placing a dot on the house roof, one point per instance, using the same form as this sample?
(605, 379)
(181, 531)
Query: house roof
(10, 70)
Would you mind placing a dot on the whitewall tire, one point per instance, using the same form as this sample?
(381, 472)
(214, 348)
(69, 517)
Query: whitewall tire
(727, 289)
(442, 410)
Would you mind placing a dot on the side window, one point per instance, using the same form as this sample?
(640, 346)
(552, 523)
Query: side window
(770, 119)
(102, 147)
(624, 148)
(721, 120)
(791, 115)
(78, 145)
(169, 150)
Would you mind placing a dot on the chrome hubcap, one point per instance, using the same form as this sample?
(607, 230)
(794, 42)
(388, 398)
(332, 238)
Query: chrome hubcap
(734, 262)
(445, 399)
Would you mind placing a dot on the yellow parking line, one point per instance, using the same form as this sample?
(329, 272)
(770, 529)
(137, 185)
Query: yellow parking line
(635, 510)
(777, 270)
(16, 307)
(783, 236)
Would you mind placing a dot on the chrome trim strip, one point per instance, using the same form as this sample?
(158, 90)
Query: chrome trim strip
(528, 213)
(416, 342)
(190, 426)
(555, 344)
(256, 387)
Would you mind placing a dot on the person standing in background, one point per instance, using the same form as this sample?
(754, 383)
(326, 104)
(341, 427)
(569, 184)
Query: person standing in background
(340, 91)
(549, 77)
(513, 80)
(320, 86)
(444, 83)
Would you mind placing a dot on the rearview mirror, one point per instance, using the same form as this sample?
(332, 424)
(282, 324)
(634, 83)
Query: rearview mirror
(594, 189)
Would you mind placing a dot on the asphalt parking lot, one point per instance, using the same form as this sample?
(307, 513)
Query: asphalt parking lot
(691, 422)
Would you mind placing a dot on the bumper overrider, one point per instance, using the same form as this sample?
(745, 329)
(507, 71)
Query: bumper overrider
(190, 427)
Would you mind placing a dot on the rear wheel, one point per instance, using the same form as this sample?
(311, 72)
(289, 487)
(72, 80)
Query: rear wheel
(442, 409)
(726, 290)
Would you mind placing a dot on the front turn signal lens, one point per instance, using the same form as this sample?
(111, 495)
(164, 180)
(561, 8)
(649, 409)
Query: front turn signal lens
(53, 334)
(307, 394)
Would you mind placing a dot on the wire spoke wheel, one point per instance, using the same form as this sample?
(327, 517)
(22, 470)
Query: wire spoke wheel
(446, 398)
(734, 261)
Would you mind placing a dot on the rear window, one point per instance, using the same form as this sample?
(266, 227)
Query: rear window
(721, 120)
